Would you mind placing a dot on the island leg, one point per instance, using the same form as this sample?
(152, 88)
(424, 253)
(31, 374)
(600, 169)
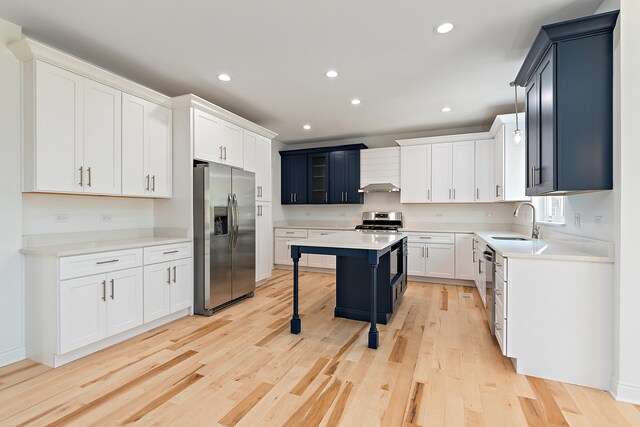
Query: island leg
(373, 330)
(295, 320)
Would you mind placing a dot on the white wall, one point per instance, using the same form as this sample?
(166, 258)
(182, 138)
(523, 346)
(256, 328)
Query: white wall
(276, 207)
(85, 213)
(11, 287)
(626, 369)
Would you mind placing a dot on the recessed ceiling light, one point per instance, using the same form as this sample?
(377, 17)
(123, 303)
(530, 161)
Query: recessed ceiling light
(445, 109)
(331, 74)
(444, 28)
(306, 127)
(355, 101)
(224, 77)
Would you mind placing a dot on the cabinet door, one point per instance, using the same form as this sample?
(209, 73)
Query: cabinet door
(102, 138)
(83, 312)
(124, 300)
(181, 284)
(513, 159)
(264, 241)
(135, 142)
(157, 291)
(58, 129)
(160, 151)
(499, 164)
(263, 169)
(318, 178)
(464, 257)
(207, 132)
(545, 175)
(415, 174)
(282, 253)
(464, 172)
(249, 140)
(532, 134)
(441, 173)
(352, 178)
(294, 179)
(440, 261)
(485, 171)
(233, 146)
(337, 178)
(416, 259)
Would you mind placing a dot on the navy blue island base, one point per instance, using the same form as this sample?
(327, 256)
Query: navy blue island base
(350, 258)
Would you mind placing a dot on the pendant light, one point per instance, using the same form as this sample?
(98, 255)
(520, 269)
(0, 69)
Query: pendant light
(517, 134)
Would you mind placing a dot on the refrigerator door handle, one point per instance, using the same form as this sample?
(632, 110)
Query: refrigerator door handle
(236, 217)
(230, 220)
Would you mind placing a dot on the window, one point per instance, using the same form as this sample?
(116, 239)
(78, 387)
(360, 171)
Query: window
(550, 209)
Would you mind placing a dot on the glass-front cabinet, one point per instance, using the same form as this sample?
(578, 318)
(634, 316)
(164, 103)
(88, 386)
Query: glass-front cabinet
(318, 178)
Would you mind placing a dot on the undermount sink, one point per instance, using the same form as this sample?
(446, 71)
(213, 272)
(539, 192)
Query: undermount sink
(521, 239)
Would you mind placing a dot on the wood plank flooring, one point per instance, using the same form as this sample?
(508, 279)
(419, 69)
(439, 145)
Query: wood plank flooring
(436, 365)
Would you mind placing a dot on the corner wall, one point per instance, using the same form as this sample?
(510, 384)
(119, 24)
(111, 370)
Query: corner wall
(11, 286)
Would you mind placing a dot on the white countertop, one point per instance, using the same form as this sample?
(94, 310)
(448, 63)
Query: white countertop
(567, 249)
(81, 248)
(351, 240)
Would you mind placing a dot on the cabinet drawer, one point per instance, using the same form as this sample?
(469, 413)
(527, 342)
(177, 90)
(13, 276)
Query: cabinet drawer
(501, 267)
(103, 262)
(432, 238)
(501, 296)
(156, 254)
(316, 233)
(501, 331)
(291, 232)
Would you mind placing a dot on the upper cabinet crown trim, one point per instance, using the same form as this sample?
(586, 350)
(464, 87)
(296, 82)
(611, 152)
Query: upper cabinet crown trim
(323, 149)
(191, 100)
(27, 49)
(446, 138)
(561, 31)
(503, 119)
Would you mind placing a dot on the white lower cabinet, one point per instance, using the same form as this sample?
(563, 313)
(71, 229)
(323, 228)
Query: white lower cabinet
(264, 241)
(124, 300)
(321, 261)
(431, 255)
(416, 259)
(281, 248)
(464, 256)
(167, 288)
(440, 261)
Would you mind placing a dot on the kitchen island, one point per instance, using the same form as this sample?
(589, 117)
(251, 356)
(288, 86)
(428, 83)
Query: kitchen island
(365, 261)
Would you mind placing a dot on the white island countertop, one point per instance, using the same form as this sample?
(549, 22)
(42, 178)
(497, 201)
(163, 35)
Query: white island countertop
(82, 248)
(566, 249)
(351, 240)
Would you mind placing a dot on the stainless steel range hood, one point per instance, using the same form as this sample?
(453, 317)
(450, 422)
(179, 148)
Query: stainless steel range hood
(379, 188)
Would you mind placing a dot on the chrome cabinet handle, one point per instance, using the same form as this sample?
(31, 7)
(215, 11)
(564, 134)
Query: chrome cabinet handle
(474, 256)
(449, 194)
(104, 290)
(174, 274)
(326, 197)
(225, 152)
(290, 232)
(170, 252)
(221, 152)
(295, 197)
(427, 251)
(454, 194)
(291, 197)
(497, 190)
(113, 289)
(81, 176)
(346, 196)
(428, 194)
(153, 183)
(423, 253)
(169, 275)
(147, 183)
(107, 262)
(89, 171)
(478, 193)
(425, 237)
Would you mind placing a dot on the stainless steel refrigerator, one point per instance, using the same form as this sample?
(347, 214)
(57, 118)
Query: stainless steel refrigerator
(224, 235)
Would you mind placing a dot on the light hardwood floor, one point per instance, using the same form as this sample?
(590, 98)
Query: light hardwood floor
(436, 365)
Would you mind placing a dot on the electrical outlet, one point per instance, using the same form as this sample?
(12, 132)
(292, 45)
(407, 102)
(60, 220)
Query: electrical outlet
(438, 215)
(343, 214)
(598, 219)
(307, 214)
(106, 218)
(489, 215)
(61, 217)
(576, 220)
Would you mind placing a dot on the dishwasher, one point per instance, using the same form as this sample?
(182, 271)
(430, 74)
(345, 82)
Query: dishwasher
(489, 256)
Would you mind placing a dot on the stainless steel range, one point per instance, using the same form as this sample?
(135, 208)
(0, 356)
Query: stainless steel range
(380, 222)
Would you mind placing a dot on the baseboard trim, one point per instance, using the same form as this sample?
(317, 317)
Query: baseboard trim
(625, 392)
(439, 281)
(13, 356)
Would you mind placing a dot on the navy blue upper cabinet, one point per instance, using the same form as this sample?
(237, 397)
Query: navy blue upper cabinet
(568, 76)
(321, 175)
(294, 180)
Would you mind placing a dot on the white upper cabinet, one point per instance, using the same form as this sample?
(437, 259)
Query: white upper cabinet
(441, 173)
(72, 133)
(486, 191)
(249, 141)
(102, 131)
(263, 169)
(464, 172)
(146, 148)
(415, 174)
(216, 140)
(510, 158)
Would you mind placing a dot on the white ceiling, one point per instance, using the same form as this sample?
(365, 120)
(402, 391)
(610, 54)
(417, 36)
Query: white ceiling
(277, 52)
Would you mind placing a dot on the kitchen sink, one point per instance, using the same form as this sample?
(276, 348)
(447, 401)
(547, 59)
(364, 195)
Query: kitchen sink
(521, 239)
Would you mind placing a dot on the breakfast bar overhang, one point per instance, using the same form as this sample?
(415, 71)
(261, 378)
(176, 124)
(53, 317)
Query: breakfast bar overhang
(357, 252)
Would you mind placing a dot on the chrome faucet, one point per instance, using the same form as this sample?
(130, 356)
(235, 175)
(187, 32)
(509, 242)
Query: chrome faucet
(535, 230)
